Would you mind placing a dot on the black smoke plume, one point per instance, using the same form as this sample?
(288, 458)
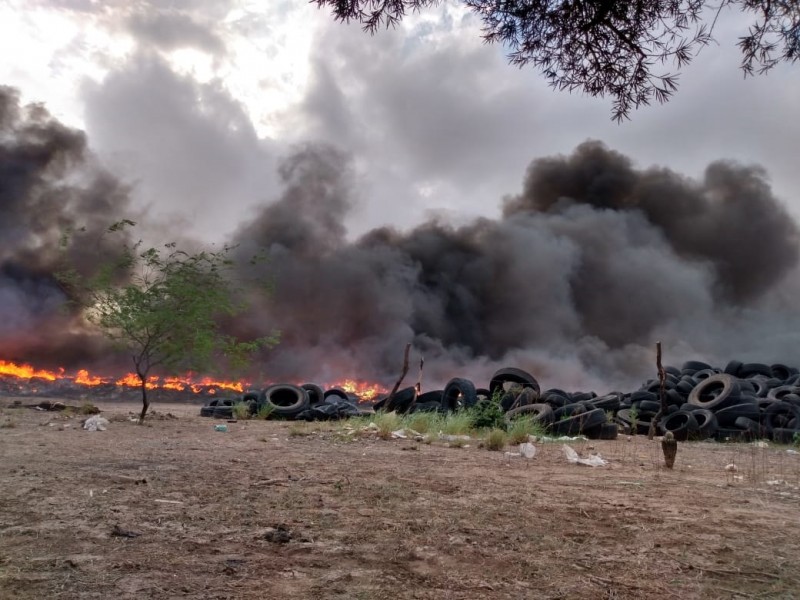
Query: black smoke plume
(50, 186)
(587, 267)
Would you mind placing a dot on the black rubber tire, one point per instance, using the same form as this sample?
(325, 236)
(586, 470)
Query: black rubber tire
(706, 423)
(640, 395)
(513, 375)
(782, 372)
(608, 431)
(285, 399)
(426, 407)
(754, 427)
(432, 396)
(580, 423)
(401, 401)
(682, 424)
(525, 397)
(733, 368)
(609, 402)
(583, 396)
(694, 365)
(701, 376)
(777, 393)
(316, 395)
(752, 369)
(459, 393)
(555, 398)
(569, 410)
(685, 387)
(338, 392)
(484, 392)
(726, 417)
(223, 412)
(779, 414)
(541, 413)
(648, 406)
(715, 391)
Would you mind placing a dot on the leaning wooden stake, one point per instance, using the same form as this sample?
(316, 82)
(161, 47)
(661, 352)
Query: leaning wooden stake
(402, 375)
(418, 385)
(662, 376)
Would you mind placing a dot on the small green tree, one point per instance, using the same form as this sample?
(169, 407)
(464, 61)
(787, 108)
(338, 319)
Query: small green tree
(164, 306)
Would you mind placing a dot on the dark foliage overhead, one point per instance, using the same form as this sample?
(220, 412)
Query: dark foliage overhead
(602, 47)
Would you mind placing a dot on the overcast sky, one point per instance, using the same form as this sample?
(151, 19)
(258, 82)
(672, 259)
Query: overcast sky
(195, 101)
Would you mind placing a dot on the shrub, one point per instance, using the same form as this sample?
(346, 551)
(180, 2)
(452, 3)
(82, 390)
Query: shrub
(496, 440)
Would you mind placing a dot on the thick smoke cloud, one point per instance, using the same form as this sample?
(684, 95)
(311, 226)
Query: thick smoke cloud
(49, 186)
(730, 219)
(585, 269)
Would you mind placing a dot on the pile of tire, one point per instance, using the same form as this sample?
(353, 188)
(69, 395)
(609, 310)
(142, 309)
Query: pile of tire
(287, 401)
(739, 402)
(559, 412)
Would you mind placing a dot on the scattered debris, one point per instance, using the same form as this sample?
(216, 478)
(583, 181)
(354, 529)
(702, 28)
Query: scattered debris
(223, 428)
(125, 533)
(168, 501)
(731, 468)
(594, 460)
(526, 450)
(279, 534)
(95, 423)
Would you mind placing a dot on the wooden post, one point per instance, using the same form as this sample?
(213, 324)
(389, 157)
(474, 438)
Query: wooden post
(662, 376)
(402, 375)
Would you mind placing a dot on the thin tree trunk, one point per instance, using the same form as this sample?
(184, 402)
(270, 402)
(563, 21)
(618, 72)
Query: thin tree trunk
(145, 401)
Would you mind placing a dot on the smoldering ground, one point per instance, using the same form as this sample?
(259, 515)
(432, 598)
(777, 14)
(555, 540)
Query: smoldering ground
(594, 260)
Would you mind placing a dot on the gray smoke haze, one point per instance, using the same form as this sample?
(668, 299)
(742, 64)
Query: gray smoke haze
(49, 185)
(586, 268)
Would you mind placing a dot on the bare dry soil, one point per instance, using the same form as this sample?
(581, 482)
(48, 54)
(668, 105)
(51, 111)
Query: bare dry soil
(174, 509)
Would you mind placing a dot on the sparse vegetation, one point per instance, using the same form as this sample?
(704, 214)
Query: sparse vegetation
(488, 413)
(87, 408)
(264, 411)
(522, 428)
(241, 411)
(387, 422)
(496, 440)
(634, 414)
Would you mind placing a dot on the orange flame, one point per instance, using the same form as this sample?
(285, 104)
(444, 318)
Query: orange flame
(365, 390)
(25, 371)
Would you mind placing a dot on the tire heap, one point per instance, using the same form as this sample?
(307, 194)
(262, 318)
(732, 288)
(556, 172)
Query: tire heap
(307, 402)
(738, 403)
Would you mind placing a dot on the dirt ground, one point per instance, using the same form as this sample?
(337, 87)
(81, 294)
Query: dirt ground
(277, 510)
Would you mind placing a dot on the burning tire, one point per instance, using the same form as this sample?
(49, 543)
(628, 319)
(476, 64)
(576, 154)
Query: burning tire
(285, 400)
(459, 393)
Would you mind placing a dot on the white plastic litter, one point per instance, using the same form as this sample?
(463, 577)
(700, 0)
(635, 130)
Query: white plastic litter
(594, 460)
(400, 434)
(761, 444)
(731, 468)
(527, 450)
(790, 451)
(96, 423)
